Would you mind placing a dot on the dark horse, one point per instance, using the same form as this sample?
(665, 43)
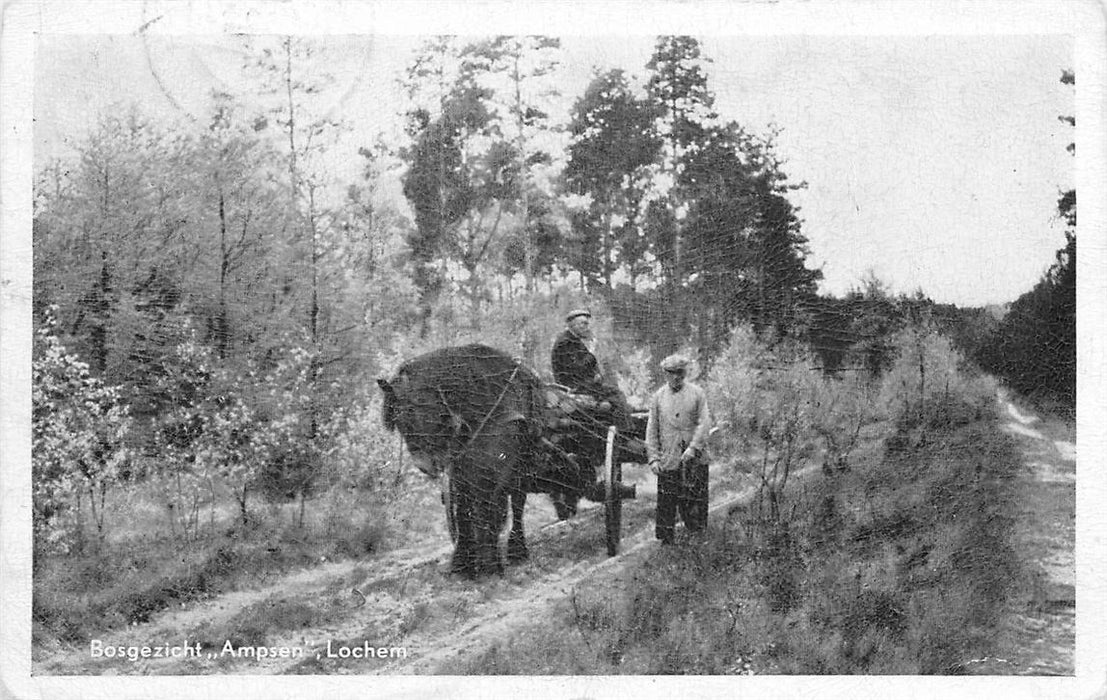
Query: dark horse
(475, 415)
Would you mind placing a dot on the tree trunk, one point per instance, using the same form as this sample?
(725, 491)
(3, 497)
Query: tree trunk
(678, 252)
(100, 308)
(293, 169)
(80, 543)
(605, 249)
(92, 509)
(221, 323)
(211, 506)
(528, 242)
(313, 368)
(474, 287)
(242, 507)
(102, 514)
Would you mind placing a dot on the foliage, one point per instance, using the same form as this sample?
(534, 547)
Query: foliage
(289, 415)
(744, 250)
(902, 565)
(79, 428)
(517, 71)
(785, 426)
(924, 365)
(876, 317)
(678, 85)
(613, 145)
(733, 382)
(928, 385)
(773, 404)
(636, 381)
(359, 454)
(476, 164)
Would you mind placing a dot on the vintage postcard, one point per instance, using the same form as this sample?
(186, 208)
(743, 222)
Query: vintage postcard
(581, 349)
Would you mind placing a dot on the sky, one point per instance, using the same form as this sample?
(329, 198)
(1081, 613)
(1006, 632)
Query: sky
(933, 162)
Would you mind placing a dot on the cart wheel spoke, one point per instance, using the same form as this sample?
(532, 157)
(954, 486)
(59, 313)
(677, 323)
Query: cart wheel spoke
(613, 505)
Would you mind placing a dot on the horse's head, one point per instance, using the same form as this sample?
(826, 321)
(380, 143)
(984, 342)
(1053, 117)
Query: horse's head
(417, 410)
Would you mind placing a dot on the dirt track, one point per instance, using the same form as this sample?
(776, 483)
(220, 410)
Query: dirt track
(1038, 635)
(398, 600)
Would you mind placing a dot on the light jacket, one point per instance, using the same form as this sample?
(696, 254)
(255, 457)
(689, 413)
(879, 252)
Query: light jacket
(677, 420)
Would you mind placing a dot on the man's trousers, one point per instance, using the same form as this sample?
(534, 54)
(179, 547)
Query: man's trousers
(682, 491)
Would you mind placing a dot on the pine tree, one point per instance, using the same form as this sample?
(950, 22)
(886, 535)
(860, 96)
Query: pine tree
(613, 145)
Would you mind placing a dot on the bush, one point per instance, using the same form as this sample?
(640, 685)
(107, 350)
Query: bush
(360, 453)
(777, 402)
(636, 381)
(926, 373)
(928, 389)
(900, 564)
(79, 430)
(733, 388)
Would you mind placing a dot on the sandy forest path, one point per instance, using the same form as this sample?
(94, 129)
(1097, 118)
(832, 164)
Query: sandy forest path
(399, 604)
(1037, 636)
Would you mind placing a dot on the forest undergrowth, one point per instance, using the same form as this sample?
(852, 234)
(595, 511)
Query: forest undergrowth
(896, 559)
(144, 569)
(899, 565)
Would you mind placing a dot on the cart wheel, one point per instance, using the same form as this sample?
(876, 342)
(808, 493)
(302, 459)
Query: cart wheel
(612, 504)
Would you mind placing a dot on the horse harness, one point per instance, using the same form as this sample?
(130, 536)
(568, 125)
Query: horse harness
(459, 422)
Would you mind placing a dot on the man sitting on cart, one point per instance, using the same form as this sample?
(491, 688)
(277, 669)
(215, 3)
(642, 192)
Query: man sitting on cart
(576, 368)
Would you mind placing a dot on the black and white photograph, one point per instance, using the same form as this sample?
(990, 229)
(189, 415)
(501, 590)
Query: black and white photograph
(584, 349)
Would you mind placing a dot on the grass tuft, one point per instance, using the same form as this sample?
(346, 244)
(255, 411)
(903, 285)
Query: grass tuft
(78, 597)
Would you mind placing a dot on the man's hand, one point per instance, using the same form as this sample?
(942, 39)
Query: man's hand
(689, 455)
(654, 467)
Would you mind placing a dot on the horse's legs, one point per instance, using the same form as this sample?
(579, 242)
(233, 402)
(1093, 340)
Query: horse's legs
(516, 539)
(570, 501)
(565, 504)
(461, 491)
(490, 511)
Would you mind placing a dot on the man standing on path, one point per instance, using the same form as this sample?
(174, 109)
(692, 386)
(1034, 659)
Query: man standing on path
(676, 434)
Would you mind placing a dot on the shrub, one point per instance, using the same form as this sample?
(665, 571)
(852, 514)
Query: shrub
(360, 453)
(211, 435)
(79, 428)
(843, 406)
(774, 400)
(636, 381)
(928, 370)
(735, 387)
(926, 387)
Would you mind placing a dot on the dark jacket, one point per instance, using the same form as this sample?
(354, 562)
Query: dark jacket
(573, 364)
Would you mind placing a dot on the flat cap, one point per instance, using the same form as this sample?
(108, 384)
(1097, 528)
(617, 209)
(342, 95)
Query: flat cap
(577, 312)
(675, 363)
